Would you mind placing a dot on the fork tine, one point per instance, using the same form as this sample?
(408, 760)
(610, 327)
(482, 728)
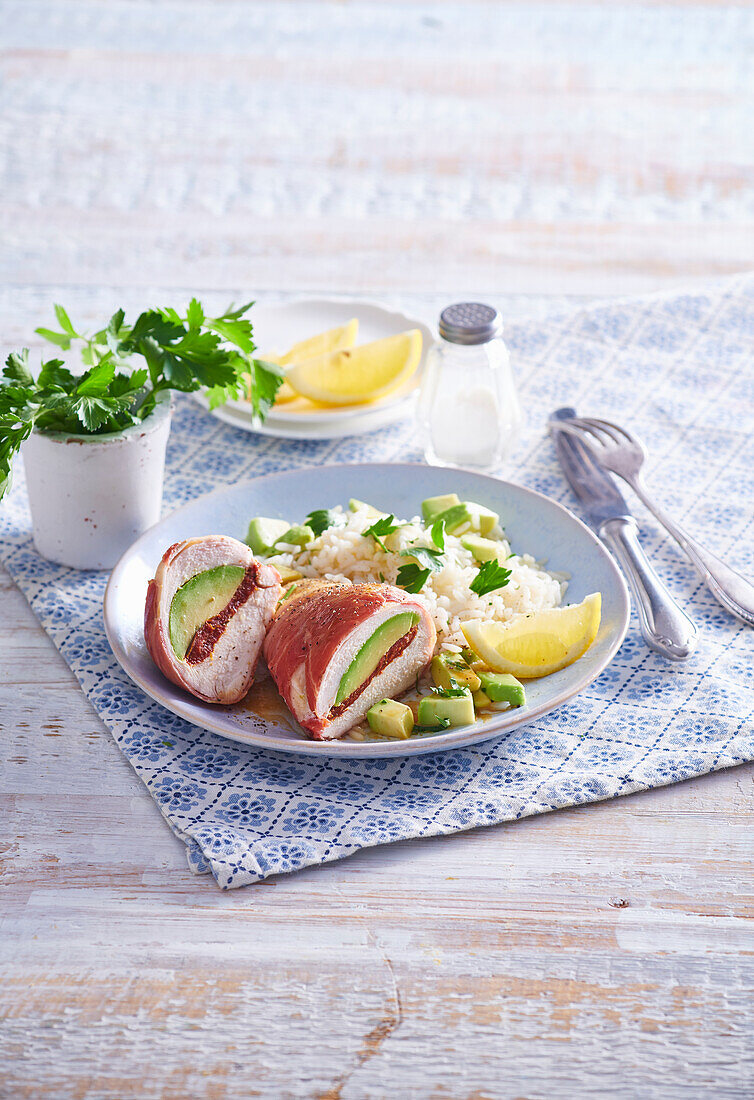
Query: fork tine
(616, 433)
(583, 433)
(584, 426)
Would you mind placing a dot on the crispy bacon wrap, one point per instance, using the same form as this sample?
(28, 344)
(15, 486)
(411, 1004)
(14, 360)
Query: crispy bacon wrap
(317, 634)
(222, 652)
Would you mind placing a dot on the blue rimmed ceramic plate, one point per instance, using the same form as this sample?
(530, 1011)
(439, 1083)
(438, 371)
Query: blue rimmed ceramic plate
(533, 523)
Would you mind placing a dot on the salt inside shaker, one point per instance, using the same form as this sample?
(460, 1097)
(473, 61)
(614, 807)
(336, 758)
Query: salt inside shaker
(468, 411)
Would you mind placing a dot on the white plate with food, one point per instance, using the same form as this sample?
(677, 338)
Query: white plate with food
(318, 341)
(400, 609)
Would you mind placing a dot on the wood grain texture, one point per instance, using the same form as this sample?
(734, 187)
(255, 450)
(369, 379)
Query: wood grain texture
(538, 154)
(376, 146)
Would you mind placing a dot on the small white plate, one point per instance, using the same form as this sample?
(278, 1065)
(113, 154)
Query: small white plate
(534, 524)
(278, 327)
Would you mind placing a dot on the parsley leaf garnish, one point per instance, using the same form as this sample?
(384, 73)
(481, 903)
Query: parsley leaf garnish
(437, 533)
(490, 577)
(451, 693)
(440, 725)
(411, 578)
(426, 558)
(385, 525)
(321, 519)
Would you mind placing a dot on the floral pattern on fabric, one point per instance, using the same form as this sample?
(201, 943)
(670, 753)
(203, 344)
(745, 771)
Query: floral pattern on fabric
(677, 369)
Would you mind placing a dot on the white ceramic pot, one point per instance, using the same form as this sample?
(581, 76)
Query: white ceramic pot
(91, 496)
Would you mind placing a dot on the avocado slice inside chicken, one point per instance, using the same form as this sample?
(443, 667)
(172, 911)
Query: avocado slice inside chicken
(372, 651)
(199, 599)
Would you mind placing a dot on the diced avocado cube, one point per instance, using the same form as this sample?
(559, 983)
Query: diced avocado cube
(503, 688)
(483, 519)
(484, 549)
(459, 709)
(389, 718)
(355, 505)
(472, 659)
(456, 517)
(287, 575)
(433, 506)
(451, 671)
(481, 699)
(299, 535)
(263, 533)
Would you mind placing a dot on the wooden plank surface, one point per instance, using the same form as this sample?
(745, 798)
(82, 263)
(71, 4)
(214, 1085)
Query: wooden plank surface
(536, 148)
(546, 958)
(540, 154)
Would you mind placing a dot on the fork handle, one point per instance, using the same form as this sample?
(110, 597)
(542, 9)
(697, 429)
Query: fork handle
(729, 588)
(666, 628)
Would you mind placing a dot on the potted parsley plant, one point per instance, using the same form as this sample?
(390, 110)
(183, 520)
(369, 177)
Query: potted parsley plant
(94, 441)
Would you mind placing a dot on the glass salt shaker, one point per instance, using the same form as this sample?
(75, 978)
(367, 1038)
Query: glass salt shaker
(468, 411)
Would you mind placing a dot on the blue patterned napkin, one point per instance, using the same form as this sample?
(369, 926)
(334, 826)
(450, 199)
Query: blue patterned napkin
(678, 370)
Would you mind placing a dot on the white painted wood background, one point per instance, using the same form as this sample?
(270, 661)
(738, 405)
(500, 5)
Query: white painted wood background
(532, 153)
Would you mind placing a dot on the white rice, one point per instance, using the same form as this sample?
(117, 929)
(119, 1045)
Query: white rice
(344, 553)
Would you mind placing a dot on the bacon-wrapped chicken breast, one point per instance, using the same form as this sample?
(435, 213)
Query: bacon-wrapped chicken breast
(334, 649)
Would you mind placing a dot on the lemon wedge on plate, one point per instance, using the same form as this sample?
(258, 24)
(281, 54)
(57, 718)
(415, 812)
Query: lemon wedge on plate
(537, 644)
(343, 336)
(285, 395)
(352, 376)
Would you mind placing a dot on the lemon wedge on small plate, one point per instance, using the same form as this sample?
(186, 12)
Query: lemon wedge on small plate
(342, 336)
(537, 644)
(355, 376)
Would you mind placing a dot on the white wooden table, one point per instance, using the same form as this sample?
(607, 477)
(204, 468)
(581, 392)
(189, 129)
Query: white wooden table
(526, 153)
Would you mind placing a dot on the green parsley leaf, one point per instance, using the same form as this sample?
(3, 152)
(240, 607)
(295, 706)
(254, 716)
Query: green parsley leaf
(451, 693)
(155, 323)
(194, 314)
(124, 384)
(237, 332)
(385, 525)
(17, 368)
(490, 577)
(13, 431)
(55, 376)
(96, 381)
(115, 324)
(265, 381)
(96, 412)
(16, 403)
(232, 314)
(411, 578)
(438, 727)
(437, 533)
(62, 339)
(321, 519)
(114, 335)
(426, 558)
(64, 321)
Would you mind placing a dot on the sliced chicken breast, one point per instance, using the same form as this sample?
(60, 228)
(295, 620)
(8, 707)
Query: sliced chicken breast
(335, 649)
(207, 611)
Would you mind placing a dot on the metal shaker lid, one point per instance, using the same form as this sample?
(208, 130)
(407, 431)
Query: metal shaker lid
(470, 323)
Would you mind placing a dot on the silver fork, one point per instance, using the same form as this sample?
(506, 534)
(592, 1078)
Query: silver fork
(622, 453)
